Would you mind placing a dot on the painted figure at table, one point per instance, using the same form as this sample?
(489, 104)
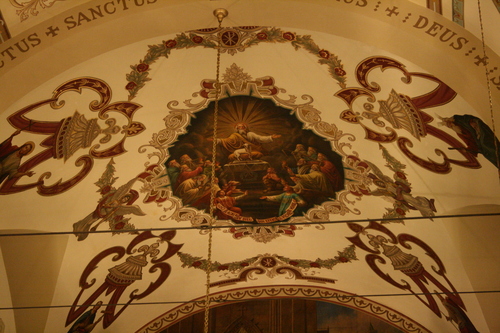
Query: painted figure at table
(173, 171)
(11, 156)
(288, 171)
(457, 315)
(478, 137)
(312, 154)
(208, 168)
(87, 322)
(303, 167)
(193, 189)
(186, 173)
(300, 152)
(226, 205)
(242, 136)
(272, 181)
(315, 180)
(331, 172)
(187, 160)
(286, 199)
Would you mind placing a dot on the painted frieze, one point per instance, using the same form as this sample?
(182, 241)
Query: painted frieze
(246, 159)
(283, 292)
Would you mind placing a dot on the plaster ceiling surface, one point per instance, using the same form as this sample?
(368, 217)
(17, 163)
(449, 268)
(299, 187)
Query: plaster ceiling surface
(108, 101)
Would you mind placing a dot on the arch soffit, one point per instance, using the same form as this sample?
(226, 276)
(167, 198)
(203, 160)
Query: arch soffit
(417, 37)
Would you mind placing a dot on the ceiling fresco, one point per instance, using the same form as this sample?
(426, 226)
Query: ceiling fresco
(298, 182)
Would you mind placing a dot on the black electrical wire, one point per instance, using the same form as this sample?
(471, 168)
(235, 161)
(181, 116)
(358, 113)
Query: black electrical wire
(240, 225)
(250, 225)
(238, 301)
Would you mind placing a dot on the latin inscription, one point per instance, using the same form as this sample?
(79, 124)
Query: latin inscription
(420, 23)
(11, 53)
(443, 34)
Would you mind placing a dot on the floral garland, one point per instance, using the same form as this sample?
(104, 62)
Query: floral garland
(345, 256)
(139, 75)
(400, 207)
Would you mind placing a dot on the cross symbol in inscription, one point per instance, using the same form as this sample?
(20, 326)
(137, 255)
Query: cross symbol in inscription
(480, 60)
(392, 11)
(52, 31)
(1, 36)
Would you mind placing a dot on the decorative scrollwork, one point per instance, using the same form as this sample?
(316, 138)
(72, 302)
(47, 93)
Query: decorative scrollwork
(24, 9)
(276, 291)
(74, 134)
(381, 243)
(402, 112)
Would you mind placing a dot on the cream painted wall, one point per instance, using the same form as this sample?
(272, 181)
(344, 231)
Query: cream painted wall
(113, 43)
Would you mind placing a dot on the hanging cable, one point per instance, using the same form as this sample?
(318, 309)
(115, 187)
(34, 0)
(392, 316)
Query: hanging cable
(220, 14)
(486, 70)
(225, 302)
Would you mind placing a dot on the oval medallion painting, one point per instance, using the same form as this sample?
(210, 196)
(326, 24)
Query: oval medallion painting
(268, 167)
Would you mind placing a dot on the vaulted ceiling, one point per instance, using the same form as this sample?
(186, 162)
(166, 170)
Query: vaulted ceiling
(123, 120)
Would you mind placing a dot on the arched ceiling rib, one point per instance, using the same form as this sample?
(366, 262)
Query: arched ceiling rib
(307, 79)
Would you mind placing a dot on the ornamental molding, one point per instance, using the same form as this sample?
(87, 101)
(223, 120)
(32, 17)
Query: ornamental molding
(322, 294)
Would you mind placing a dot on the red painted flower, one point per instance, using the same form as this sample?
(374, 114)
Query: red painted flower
(142, 67)
(262, 36)
(119, 225)
(244, 264)
(196, 264)
(289, 36)
(324, 54)
(339, 71)
(401, 175)
(293, 263)
(400, 211)
(197, 39)
(343, 259)
(222, 267)
(131, 86)
(106, 189)
(170, 43)
(314, 264)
